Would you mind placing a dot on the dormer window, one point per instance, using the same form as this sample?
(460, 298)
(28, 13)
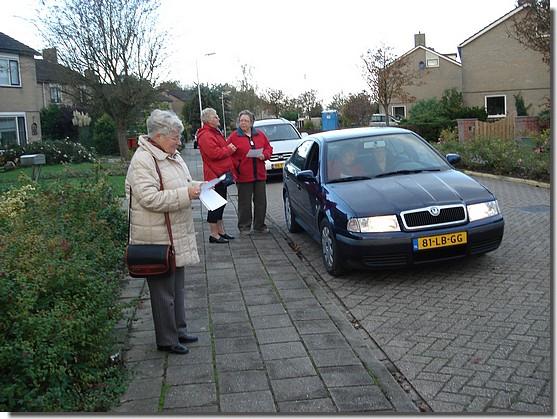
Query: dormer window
(9, 71)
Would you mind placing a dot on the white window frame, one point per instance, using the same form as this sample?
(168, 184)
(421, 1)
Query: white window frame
(10, 57)
(505, 102)
(432, 62)
(398, 106)
(16, 115)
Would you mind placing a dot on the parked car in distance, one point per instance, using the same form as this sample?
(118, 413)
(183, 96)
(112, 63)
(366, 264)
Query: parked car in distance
(284, 138)
(383, 198)
(379, 120)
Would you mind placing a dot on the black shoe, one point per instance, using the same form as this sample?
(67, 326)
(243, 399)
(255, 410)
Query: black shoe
(227, 236)
(188, 339)
(219, 240)
(175, 349)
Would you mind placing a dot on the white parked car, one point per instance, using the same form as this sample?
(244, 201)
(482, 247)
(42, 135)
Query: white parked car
(284, 138)
(380, 120)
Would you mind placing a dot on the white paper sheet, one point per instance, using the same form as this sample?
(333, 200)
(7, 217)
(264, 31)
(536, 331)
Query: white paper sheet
(255, 152)
(210, 199)
(211, 183)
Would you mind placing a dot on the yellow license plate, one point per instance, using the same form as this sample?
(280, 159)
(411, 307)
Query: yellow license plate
(277, 165)
(441, 240)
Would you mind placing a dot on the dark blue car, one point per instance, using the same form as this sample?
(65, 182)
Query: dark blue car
(383, 197)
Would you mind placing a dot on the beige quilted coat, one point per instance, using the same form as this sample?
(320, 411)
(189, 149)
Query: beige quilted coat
(149, 203)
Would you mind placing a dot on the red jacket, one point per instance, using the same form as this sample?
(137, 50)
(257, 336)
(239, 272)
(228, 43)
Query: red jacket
(214, 152)
(250, 169)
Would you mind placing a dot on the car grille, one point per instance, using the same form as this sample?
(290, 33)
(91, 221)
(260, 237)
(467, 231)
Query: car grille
(441, 253)
(279, 157)
(483, 246)
(385, 260)
(423, 218)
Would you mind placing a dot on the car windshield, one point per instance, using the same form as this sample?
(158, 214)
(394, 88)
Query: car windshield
(279, 132)
(380, 156)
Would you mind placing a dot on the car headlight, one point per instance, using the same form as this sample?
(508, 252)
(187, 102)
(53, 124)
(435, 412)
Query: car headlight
(483, 210)
(379, 224)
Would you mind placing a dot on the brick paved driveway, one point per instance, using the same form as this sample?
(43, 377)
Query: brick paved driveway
(468, 336)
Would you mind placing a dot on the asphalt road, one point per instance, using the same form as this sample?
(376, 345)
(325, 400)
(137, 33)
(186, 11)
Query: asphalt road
(472, 335)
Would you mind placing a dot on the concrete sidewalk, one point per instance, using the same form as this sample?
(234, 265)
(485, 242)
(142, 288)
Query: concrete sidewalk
(270, 339)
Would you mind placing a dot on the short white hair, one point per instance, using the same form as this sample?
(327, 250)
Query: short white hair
(207, 113)
(163, 122)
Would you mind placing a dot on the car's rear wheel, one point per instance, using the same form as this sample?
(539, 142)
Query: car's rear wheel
(329, 250)
(289, 215)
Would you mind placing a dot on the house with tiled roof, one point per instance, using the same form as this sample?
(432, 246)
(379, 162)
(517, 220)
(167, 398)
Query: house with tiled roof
(20, 104)
(496, 66)
(177, 99)
(434, 73)
(57, 84)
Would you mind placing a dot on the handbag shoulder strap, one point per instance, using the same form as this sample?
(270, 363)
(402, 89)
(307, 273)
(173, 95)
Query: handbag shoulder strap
(166, 215)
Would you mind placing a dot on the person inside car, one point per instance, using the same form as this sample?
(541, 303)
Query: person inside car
(341, 162)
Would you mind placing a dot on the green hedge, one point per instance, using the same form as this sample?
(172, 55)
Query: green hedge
(55, 152)
(503, 157)
(430, 131)
(61, 249)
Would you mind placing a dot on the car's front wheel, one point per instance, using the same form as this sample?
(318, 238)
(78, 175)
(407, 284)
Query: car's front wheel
(329, 250)
(289, 215)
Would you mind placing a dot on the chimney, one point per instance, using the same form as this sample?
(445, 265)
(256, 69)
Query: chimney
(50, 55)
(419, 39)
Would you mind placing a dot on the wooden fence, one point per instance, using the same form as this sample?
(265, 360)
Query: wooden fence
(503, 129)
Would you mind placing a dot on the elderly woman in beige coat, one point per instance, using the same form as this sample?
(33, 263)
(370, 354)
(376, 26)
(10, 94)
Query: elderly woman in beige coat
(147, 220)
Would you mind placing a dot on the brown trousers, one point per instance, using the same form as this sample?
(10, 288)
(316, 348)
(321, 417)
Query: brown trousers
(255, 192)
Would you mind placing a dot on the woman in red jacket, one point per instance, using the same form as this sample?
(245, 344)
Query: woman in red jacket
(252, 176)
(215, 152)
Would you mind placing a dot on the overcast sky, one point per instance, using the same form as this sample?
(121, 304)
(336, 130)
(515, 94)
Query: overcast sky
(293, 45)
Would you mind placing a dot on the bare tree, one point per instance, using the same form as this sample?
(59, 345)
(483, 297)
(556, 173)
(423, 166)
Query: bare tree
(357, 110)
(116, 46)
(533, 29)
(245, 95)
(309, 103)
(337, 102)
(276, 100)
(387, 76)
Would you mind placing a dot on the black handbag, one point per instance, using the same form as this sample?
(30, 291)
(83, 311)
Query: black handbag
(228, 179)
(147, 260)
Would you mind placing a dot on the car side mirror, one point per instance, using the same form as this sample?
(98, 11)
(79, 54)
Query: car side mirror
(453, 158)
(306, 176)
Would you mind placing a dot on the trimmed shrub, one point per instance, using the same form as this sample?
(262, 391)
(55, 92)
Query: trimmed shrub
(55, 152)
(431, 131)
(56, 123)
(500, 157)
(61, 248)
(104, 136)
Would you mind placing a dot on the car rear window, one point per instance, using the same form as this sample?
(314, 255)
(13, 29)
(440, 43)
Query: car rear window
(279, 132)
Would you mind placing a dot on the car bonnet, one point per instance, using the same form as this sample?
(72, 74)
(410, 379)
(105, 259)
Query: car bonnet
(403, 192)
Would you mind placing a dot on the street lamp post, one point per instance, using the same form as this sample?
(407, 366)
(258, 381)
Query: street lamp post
(223, 112)
(199, 87)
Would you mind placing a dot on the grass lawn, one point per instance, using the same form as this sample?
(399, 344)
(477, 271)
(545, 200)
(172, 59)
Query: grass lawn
(69, 173)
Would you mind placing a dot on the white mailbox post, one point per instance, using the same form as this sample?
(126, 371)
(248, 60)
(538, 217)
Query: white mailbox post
(34, 160)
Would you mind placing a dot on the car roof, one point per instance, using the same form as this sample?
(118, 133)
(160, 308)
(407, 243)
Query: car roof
(271, 121)
(342, 134)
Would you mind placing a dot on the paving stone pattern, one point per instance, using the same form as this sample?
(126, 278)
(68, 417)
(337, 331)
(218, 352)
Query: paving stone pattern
(270, 339)
(468, 336)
